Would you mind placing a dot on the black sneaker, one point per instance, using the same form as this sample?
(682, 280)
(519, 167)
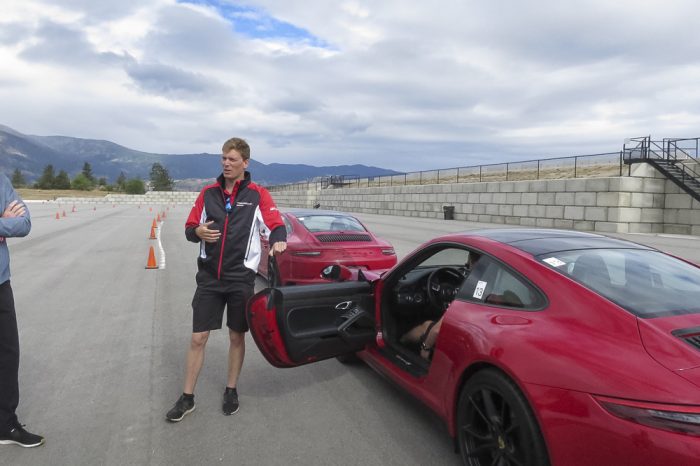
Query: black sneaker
(183, 406)
(18, 436)
(230, 405)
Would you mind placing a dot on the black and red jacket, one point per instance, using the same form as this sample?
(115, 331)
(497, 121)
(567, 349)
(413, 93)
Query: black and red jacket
(236, 255)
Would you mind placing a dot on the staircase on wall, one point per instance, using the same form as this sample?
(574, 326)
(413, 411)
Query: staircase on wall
(675, 158)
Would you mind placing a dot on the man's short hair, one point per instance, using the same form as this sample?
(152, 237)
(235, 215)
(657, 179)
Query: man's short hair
(239, 145)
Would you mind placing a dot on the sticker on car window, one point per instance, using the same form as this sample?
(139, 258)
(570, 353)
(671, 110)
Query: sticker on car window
(554, 262)
(479, 290)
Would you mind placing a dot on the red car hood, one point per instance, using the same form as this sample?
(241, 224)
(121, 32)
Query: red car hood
(673, 341)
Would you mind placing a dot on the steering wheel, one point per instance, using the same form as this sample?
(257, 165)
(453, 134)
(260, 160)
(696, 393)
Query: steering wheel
(441, 289)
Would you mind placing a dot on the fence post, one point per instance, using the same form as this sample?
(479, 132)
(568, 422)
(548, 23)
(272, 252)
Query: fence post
(620, 163)
(538, 170)
(479, 173)
(575, 161)
(438, 177)
(507, 169)
(420, 178)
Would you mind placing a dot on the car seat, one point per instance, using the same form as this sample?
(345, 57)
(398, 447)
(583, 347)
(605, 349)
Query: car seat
(590, 269)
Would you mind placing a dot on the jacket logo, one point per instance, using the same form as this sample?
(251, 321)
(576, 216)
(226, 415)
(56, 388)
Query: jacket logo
(242, 203)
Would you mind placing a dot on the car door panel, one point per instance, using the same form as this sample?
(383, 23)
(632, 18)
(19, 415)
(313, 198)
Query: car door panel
(296, 325)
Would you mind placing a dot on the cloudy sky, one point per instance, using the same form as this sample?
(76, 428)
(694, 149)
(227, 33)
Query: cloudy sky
(403, 84)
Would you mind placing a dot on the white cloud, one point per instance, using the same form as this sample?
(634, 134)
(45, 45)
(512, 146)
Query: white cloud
(396, 84)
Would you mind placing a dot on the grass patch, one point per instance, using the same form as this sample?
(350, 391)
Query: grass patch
(51, 194)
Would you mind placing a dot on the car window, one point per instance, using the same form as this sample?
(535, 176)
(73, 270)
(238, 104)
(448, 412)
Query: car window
(647, 283)
(315, 223)
(287, 225)
(450, 257)
(493, 283)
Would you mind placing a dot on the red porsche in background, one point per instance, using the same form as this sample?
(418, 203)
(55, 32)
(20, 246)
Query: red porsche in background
(318, 238)
(556, 347)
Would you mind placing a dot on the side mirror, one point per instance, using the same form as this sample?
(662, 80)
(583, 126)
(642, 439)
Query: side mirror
(336, 273)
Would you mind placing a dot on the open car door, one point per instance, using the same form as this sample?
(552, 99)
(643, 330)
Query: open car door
(296, 325)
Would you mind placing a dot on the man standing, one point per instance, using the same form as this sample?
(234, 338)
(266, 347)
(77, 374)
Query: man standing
(227, 219)
(14, 222)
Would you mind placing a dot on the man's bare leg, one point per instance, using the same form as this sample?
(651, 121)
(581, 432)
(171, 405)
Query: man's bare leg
(195, 360)
(236, 353)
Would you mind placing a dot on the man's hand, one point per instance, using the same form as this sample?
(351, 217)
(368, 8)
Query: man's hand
(278, 248)
(14, 209)
(206, 234)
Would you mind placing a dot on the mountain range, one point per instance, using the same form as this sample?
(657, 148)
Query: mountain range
(31, 154)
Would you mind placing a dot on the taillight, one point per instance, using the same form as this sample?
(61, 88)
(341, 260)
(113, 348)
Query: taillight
(389, 252)
(676, 418)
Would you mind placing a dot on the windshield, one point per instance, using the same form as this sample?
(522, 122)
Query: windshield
(315, 223)
(646, 283)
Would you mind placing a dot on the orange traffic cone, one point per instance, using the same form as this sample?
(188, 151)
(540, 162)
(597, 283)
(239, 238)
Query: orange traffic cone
(151, 264)
(153, 233)
(150, 209)
(158, 218)
(57, 216)
(163, 216)
(73, 209)
(154, 225)
(64, 213)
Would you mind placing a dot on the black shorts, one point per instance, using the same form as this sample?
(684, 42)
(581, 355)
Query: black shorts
(212, 296)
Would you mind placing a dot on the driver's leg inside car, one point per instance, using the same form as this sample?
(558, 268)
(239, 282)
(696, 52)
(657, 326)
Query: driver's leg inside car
(424, 335)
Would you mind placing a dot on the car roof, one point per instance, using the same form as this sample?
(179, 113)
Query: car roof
(543, 241)
(307, 212)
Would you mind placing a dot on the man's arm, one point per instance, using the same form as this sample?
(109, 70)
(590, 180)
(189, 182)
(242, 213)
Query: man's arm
(274, 223)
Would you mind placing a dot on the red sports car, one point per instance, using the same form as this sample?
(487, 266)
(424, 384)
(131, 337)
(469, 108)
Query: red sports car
(318, 238)
(556, 347)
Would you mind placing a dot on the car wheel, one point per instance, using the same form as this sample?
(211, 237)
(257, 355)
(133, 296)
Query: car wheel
(350, 358)
(495, 425)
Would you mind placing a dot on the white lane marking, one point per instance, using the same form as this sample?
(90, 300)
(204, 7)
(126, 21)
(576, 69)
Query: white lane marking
(160, 246)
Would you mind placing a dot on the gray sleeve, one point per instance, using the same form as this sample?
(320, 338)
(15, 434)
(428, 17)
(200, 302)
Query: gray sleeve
(14, 226)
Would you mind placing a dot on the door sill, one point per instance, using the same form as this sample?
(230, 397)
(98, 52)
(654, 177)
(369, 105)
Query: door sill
(405, 360)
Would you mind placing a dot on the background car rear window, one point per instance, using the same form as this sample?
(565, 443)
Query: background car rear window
(646, 283)
(315, 223)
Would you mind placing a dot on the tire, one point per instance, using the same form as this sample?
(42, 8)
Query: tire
(495, 424)
(350, 358)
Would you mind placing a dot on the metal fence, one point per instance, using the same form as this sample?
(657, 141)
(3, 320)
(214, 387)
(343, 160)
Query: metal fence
(578, 166)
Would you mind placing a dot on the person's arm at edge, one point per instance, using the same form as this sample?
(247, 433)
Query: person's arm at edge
(14, 227)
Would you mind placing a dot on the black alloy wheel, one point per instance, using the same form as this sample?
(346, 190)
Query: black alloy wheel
(496, 425)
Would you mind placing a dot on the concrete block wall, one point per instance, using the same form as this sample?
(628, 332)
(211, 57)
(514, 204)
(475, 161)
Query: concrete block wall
(644, 202)
(151, 197)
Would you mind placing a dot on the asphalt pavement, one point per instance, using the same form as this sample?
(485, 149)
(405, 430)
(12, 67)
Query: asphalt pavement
(103, 341)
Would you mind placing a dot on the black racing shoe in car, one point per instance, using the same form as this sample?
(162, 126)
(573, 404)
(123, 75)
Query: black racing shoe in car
(230, 405)
(183, 406)
(17, 435)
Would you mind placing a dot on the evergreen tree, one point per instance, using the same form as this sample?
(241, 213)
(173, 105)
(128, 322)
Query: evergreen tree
(18, 180)
(160, 179)
(121, 182)
(62, 181)
(102, 181)
(82, 182)
(135, 186)
(47, 179)
(87, 171)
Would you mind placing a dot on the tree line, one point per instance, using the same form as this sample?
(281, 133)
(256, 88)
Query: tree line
(85, 180)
